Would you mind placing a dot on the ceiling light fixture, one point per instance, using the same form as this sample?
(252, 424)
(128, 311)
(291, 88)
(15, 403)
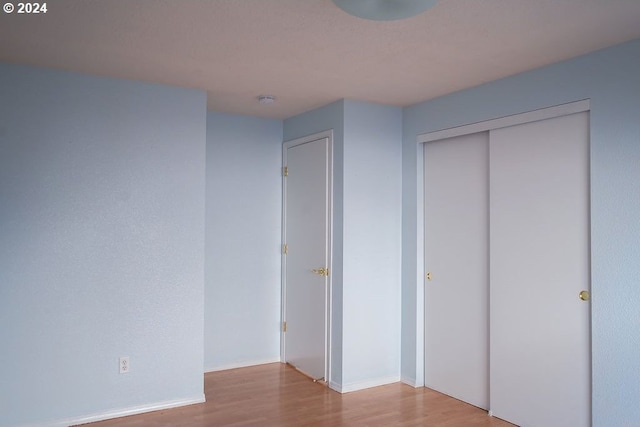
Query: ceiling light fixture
(266, 99)
(385, 10)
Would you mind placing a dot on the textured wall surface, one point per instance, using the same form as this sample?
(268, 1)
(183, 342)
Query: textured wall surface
(102, 186)
(372, 253)
(243, 234)
(611, 80)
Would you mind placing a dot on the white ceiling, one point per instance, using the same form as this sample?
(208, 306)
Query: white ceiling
(308, 53)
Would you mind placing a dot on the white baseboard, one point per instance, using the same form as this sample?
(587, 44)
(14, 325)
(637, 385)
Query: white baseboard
(117, 413)
(347, 388)
(243, 364)
(412, 382)
(335, 386)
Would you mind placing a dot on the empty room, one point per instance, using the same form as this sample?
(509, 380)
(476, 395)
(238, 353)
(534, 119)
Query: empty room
(320, 212)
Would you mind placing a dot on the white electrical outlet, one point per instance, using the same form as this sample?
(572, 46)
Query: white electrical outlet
(124, 365)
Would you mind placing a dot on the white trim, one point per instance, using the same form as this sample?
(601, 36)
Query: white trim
(117, 413)
(309, 138)
(243, 364)
(488, 125)
(411, 382)
(335, 386)
(329, 305)
(503, 122)
(368, 384)
(327, 134)
(420, 268)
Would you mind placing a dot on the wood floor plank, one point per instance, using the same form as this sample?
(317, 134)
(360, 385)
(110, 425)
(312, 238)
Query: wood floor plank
(278, 395)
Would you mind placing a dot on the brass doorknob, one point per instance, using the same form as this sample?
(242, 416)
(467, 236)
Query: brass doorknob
(584, 295)
(429, 276)
(321, 271)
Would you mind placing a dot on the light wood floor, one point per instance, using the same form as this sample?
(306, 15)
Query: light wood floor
(278, 395)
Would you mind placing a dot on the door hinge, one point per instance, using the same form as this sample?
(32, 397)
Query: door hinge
(285, 249)
(285, 171)
(284, 326)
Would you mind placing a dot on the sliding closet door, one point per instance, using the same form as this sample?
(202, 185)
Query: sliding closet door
(539, 264)
(456, 259)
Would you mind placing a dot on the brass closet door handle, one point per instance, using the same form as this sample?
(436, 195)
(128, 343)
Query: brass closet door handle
(584, 295)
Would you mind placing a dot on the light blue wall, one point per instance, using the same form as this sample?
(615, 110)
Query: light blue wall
(366, 238)
(611, 79)
(102, 186)
(372, 215)
(243, 234)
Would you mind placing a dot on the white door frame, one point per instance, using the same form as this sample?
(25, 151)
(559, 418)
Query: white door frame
(328, 330)
(516, 119)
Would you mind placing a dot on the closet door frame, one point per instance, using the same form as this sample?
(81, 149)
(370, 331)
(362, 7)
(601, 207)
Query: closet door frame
(488, 125)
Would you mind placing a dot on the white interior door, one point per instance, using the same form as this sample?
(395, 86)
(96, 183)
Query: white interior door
(539, 232)
(306, 236)
(456, 259)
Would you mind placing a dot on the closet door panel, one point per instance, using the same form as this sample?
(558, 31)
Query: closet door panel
(539, 263)
(456, 256)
